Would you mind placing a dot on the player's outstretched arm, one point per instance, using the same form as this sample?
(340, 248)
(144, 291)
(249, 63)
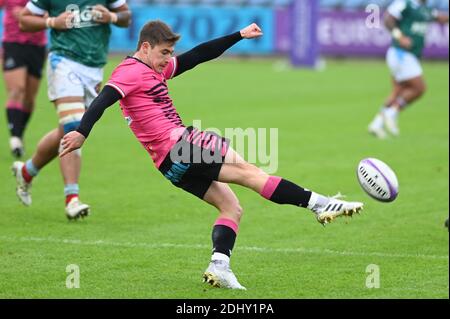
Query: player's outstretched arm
(75, 139)
(212, 49)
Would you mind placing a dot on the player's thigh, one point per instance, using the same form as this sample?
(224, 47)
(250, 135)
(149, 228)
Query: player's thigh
(418, 84)
(396, 86)
(15, 82)
(223, 198)
(236, 170)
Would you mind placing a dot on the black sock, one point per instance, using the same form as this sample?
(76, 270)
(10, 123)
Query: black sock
(223, 238)
(282, 191)
(24, 120)
(14, 117)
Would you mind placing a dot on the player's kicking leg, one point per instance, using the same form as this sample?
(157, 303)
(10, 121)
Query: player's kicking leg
(236, 170)
(276, 189)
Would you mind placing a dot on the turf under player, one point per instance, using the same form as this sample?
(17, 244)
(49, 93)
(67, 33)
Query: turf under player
(23, 59)
(80, 31)
(201, 163)
(407, 21)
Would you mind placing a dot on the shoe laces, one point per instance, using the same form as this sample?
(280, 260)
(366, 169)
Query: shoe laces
(74, 202)
(338, 196)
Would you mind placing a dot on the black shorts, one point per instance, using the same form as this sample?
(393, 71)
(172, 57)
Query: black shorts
(194, 162)
(17, 55)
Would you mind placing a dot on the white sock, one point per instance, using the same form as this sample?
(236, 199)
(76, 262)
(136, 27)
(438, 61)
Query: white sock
(377, 121)
(317, 200)
(221, 257)
(390, 112)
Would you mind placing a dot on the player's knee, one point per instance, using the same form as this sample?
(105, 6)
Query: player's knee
(421, 88)
(28, 105)
(239, 211)
(61, 148)
(70, 115)
(16, 94)
(235, 211)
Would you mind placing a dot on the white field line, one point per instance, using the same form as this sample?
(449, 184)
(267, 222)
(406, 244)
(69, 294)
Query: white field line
(299, 250)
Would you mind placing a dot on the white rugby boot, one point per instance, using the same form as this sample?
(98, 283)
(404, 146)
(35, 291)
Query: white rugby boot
(336, 208)
(76, 209)
(23, 189)
(218, 274)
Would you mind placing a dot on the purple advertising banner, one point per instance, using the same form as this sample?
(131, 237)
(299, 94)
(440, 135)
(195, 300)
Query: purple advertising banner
(344, 33)
(304, 15)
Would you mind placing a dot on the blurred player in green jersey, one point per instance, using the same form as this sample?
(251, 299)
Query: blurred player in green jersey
(407, 20)
(80, 31)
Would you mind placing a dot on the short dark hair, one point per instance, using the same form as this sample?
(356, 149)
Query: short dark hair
(157, 32)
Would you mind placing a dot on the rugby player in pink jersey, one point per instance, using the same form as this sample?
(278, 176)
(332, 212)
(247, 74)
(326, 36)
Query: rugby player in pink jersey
(24, 54)
(201, 163)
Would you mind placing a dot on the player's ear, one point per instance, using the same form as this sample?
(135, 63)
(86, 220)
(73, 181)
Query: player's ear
(145, 46)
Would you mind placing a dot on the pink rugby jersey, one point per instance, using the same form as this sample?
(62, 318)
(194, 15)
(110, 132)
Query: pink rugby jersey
(11, 31)
(146, 105)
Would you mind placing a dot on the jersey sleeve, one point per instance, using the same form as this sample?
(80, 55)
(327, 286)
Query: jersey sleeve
(396, 8)
(38, 7)
(171, 68)
(125, 80)
(114, 4)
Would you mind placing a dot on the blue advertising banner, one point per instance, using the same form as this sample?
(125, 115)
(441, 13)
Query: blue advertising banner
(198, 24)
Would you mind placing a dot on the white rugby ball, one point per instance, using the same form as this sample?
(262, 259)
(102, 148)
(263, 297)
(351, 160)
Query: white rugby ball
(377, 179)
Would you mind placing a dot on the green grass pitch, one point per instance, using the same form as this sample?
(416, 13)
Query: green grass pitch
(147, 239)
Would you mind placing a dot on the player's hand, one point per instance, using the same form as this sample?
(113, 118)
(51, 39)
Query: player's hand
(252, 31)
(71, 142)
(405, 42)
(102, 15)
(62, 22)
